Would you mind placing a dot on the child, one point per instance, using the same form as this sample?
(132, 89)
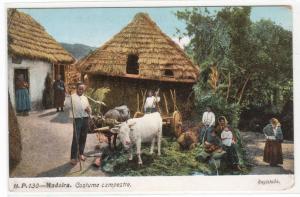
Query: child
(226, 137)
(227, 141)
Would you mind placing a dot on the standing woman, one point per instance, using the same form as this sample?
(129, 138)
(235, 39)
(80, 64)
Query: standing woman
(22, 96)
(59, 93)
(274, 137)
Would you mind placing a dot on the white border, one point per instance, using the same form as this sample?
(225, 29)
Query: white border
(168, 184)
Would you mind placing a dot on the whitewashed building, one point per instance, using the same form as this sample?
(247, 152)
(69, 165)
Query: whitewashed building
(34, 53)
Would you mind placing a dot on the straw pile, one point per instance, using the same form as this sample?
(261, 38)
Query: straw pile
(27, 38)
(72, 77)
(15, 146)
(156, 53)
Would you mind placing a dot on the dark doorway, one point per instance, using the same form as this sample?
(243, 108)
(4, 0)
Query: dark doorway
(132, 66)
(24, 72)
(59, 70)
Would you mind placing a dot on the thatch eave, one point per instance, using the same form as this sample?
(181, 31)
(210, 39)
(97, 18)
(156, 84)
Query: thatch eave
(139, 77)
(28, 39)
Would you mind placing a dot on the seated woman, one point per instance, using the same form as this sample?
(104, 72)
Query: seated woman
(227, 144)
(222, 124)
(274, 137)
(212, 142)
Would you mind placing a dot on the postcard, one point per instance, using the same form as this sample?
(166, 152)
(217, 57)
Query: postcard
(146, 98)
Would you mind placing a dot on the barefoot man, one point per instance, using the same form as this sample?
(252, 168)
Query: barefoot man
(81, 109)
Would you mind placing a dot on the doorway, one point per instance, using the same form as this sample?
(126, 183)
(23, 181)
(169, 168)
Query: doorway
(59, 70)
(18, 72)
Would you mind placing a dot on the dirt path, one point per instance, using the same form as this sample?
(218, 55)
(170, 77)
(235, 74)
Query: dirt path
(255, 143)
(46, 140)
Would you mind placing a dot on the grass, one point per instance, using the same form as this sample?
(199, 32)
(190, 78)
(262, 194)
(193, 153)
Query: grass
(172, 162)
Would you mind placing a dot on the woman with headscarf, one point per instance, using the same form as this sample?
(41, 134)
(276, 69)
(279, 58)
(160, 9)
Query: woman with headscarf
(274, 137)
(23, 105)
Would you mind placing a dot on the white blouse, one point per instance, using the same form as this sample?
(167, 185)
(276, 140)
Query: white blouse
(80, 103)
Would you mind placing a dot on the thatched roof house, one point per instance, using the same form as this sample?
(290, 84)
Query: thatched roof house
(141, 50)
(33, 53)
(140, 57)
(27, 38)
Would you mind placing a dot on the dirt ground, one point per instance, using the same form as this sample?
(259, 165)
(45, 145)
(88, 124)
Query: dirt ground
(254, 144)
(47, 136)
(46, 140)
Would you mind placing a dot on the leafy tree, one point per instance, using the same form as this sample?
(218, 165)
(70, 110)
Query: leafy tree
(253, 60)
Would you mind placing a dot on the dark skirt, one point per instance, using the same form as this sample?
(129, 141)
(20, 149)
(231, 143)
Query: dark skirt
(22, 100)
(59, 98)
(232, 155)
(273, 152)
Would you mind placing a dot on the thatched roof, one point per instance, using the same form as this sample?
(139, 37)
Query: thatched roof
(155, 50)
(27, 38)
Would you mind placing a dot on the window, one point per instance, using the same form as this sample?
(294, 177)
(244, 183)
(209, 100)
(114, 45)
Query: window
(169, 73)
(132, 66)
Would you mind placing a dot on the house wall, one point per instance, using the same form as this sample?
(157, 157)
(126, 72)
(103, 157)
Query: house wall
(37, 71)
(124, 91)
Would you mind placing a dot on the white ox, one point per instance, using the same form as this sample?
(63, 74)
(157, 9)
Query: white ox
(138, 130)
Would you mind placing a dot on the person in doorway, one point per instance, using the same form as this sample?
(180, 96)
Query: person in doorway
(23, 104)
(151, 103)
(274, 137)
(59, 93)
(208, 120)
(81, 110)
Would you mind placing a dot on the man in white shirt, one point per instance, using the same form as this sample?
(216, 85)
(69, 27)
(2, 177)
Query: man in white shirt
(208, 120)
(151, 102)
(81, 109)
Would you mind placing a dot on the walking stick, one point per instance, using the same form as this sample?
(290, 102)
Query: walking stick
(75, 133)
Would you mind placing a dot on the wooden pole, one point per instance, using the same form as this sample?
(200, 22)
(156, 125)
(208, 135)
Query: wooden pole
(166, 103)
(172, 96)
(138, 102)
(143, 95)
(75, 133)
(175, 100)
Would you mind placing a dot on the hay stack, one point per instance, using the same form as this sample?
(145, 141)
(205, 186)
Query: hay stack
(73, 76)
(157, 54)
(15, 146)
(27, 38)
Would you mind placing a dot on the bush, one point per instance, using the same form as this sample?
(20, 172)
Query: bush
(98, 94)
(219, 106)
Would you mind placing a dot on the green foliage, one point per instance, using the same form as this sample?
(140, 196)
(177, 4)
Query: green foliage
(220, 106)
(246, 53)
(98, 95)
(172, 162)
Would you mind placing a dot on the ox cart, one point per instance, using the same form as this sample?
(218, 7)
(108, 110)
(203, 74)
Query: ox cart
(172, 120)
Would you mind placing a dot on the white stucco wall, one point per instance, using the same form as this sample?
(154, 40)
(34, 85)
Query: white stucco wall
(37, 71)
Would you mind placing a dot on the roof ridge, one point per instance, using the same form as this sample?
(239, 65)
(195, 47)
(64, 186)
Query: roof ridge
(22, 23)
(154, 48)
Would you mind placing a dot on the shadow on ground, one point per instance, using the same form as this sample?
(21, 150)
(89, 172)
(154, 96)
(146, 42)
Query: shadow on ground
(50, 113)
(61, 118)
(59, 171)
(266, 169)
